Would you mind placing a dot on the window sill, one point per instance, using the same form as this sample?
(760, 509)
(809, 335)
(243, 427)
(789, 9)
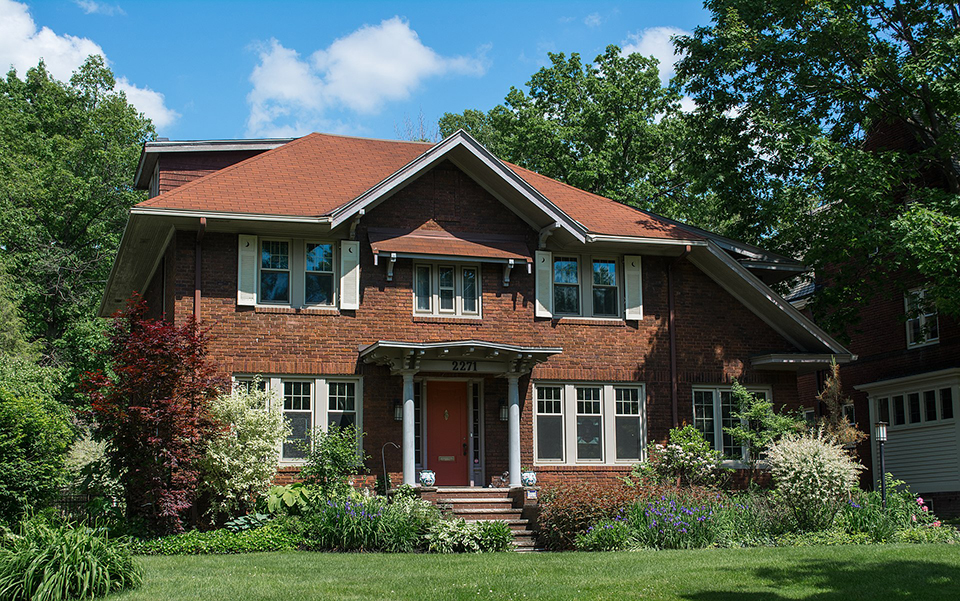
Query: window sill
(445, 319)
(910, 347)
(610, 322)
(296, 310)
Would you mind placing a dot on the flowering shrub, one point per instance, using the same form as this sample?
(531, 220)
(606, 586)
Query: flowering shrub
(812, 477)
(458, 536)
(907, 518)
(239, 465)
(667, 524)
(405, 523)
(687, 460)
(570, 510)
(347, 524)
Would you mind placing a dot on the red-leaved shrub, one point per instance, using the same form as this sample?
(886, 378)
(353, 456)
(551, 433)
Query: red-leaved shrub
(569, 510)
(154, 412)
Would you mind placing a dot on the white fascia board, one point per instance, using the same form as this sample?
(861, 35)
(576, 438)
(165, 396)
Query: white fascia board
(441, 258)
(433, 155)
(942, 377)
(497, 346)
(151, 149)
(165, 212)
(140, 279)
(124, 240)
(735, 270)
(608, 238)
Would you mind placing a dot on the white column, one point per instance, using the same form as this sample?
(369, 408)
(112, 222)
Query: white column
(409, 449)
(513, 427)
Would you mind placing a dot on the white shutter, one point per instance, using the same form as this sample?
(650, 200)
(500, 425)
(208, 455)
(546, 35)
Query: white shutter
(247, 271)
(544, 302)
(349, 274)
(633, 287)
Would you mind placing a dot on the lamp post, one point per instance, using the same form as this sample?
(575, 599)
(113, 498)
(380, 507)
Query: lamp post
(880, 433)
(383, 458)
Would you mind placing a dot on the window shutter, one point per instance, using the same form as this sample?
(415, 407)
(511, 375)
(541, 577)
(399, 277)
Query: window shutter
(247, 271)
(544, 302)
(633, 287)
(349, 274)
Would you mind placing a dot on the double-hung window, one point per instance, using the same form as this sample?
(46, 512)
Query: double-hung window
(275, 271)
(307, 404)
(922, 325)
(319, 281)
(713, 410)
(586, 286)
(589, 423)
(452, 290)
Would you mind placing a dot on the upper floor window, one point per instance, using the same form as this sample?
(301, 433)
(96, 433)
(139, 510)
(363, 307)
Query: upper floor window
(318, 276)
(585, 286)
(275, 271)
(916, 407)
(922, 326)
(446, 290)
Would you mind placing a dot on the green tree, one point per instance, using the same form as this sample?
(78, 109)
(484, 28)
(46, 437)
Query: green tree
(68, 152)
(806, 89)
(335, 455)
(759, 425)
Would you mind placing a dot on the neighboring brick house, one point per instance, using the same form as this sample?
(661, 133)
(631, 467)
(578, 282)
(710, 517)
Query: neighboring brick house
(478, 314)
(907, 374)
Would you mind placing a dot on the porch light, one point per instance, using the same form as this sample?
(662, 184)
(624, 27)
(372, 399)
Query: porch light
(504, 412)
(397, 410)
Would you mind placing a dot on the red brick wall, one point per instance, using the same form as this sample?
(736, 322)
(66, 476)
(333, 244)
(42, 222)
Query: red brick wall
(716, 335)
(177, 169)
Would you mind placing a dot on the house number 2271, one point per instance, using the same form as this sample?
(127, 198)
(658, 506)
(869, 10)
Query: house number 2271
(464, 366)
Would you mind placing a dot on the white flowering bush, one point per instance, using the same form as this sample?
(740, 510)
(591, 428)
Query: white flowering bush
(239, 466)
(813, 475)
(687, 460)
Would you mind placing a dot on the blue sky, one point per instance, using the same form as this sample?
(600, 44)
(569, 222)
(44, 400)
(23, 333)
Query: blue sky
(205, 70)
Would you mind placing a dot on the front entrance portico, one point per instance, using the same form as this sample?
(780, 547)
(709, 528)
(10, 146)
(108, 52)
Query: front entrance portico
(458, 358)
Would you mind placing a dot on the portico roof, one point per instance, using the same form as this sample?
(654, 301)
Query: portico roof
(456, 356)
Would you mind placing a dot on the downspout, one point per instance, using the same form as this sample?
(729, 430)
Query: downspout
(196, 271)
(672, 328)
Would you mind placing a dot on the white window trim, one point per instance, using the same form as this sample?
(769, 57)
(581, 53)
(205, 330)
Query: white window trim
(718, 415)
(887, 397)
(608, 415)
(319, 401)
(458, 310)
(297, 268)
(585, 286)
(333, 274)
(290, 272)
(922, 318)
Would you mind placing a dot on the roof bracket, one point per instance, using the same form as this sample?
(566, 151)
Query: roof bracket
(506, 272)
(546, 232)
(393, 261)
(355, 223)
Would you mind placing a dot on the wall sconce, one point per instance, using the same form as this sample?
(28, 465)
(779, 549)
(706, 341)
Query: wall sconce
(504, 411)
(397, 410)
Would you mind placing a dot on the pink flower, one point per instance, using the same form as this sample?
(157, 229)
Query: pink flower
(913, 518)
(936, 524)
(919, 500)
(925, 508)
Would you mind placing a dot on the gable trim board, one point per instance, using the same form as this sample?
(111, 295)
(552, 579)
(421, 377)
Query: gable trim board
(460, 139)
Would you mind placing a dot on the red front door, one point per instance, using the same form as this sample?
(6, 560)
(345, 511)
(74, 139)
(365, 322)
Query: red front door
(447, 432)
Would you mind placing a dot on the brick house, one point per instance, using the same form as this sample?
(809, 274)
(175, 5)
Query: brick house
(907, 373)
(477, 314)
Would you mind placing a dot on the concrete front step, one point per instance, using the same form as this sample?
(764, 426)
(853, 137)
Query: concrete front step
(488, 514)
(456, 503)
(450, 492)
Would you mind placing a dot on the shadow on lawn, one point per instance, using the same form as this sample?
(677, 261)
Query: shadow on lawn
(849, 580)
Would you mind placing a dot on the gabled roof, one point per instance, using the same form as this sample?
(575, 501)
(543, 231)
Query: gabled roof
(328, 175)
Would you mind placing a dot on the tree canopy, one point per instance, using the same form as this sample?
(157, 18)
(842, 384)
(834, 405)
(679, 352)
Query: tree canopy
(68, 152)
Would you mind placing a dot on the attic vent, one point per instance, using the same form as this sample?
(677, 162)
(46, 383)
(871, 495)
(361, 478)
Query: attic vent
(447, 192)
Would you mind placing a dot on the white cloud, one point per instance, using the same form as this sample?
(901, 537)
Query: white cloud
(22, 46)
(360, 72)
(655, 41)
(593, 20)
(91, 7)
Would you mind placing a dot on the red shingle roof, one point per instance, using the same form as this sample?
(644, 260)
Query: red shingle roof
(318, 173)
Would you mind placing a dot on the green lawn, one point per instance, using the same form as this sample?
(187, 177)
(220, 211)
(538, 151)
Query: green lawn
(822, 573)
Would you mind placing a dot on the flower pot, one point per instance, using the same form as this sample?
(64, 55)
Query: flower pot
(528, 478)
(427, 478)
